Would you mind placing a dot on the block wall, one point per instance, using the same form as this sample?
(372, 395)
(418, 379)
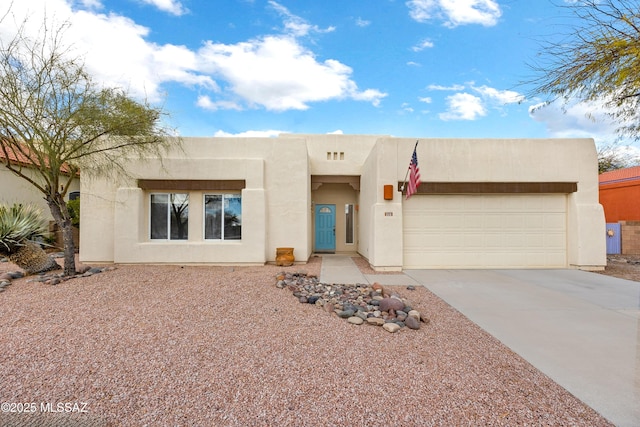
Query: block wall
(630, 232)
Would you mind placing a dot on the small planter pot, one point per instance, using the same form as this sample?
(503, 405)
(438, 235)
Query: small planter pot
(284, 257)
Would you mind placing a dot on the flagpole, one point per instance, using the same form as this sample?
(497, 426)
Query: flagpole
(404, 183)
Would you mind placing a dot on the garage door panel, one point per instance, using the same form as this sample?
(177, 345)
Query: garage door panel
(485, 231)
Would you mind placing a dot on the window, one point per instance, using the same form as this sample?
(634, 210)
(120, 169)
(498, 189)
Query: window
(169, 216)
(223, 216)
(348, 212)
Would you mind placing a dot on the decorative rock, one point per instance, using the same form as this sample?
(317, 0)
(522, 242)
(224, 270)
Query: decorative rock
(391, 327)
(355, 320)
(412, 323)
(391, 304)
(411, 288)
(377, 287)
(345, 314)
(361, 314)
(355, 303)
(376, 321)
(414, 313)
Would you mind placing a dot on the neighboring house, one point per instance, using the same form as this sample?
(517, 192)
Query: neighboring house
(14, 189)
(620, 194)
(483, 203)
(620, 198)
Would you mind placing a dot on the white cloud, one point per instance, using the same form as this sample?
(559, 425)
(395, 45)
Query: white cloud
(296, 25)
(424, 44)
(206, 103)
(456, 12)
(92, 4)
(250, 134)
(362, 22)
(278, 73)
(335, 132)
(371, 95)
(406, 107)
(585, 120)
(275, 72)
(503, 97)
(426, 100)
(171, 6)
(446, 88)
(463, 106)
(577, 120)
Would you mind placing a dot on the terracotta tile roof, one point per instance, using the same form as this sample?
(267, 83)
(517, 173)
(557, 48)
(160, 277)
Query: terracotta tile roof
(23, 160)
(620, 175)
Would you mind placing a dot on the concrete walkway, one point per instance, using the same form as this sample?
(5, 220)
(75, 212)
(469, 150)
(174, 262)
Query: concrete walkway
(581, 329)
(342, 269)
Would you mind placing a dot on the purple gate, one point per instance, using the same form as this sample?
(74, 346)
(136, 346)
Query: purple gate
(613, 238)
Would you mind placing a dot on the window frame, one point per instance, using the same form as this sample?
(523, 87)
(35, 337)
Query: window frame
(169, 221)
(223, 196)
(349, 223)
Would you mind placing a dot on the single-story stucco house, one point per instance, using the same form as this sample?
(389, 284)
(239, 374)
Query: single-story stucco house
(482, 203)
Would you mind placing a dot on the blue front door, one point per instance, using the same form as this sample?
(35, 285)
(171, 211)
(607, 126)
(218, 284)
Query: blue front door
(325, 228)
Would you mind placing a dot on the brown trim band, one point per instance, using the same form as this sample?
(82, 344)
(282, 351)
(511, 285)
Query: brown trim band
(494, 187)
(192, 184)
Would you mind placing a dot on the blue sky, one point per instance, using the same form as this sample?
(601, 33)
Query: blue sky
(418, 68)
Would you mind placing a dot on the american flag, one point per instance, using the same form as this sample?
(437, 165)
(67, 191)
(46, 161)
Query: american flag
(414, 174)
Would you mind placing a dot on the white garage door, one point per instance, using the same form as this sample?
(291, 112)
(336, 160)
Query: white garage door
(485, 231)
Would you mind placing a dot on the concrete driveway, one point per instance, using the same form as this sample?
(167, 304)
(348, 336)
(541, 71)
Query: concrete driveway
(581, 329)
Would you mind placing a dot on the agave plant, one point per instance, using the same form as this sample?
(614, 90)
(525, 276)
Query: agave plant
(19, 226)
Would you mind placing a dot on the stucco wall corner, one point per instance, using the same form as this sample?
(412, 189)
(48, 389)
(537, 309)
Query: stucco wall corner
(386, 235)
(586, 236)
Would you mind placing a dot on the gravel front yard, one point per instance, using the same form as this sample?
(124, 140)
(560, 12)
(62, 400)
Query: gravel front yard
(222, 346)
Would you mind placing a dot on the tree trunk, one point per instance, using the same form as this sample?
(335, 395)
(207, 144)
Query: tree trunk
(32, 259)
(61, 215)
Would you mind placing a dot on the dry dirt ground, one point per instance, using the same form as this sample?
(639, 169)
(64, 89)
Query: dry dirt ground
(623, 267)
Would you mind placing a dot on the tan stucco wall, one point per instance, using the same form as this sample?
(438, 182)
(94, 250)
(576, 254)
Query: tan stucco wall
(355, 150)
(276, 205)
(486, 160)
(14, 189)
(278, 199)
(381, 220)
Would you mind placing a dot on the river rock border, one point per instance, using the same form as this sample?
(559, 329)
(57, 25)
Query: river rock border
(358, 304)
(50, 277)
